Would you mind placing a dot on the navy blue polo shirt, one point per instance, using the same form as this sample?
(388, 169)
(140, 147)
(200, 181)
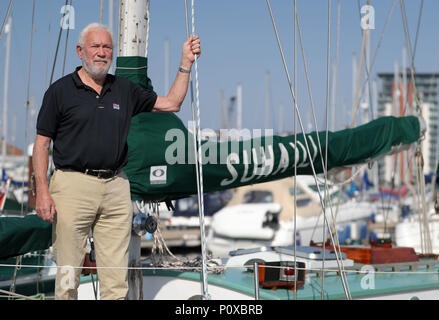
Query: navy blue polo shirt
(89, 131)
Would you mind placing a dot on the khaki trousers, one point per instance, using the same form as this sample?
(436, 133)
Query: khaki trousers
(83, 202)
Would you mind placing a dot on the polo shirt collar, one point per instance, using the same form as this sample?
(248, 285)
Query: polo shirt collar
(78, 82)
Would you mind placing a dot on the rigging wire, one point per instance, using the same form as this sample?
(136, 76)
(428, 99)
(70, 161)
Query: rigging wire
(423, 220)
(27, 103)
(367, 67)
(57, 45)
(342, 273)
(409, 53)
(65, 48)
(48, 44)
(315, 123)
(328, 63)
(367, 81)
(6, 18)
(295, 148)
(417, 29)
(368, 70)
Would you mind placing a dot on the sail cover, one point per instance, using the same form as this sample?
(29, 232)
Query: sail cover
(161, 160)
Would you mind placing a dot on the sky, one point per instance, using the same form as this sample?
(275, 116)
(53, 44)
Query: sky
(238, 47)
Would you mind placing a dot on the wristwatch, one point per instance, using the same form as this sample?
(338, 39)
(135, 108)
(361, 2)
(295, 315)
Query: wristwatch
(183, 70)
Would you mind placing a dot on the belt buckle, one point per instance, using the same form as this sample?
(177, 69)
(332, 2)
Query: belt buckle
(106, 174)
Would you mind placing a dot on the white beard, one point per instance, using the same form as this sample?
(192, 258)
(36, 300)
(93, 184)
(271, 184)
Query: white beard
(93, 71)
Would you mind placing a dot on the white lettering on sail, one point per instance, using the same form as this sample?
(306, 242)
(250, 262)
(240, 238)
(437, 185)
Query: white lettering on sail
(235, 158)
(305, 156)
(284, 159)
(267, 163)
(246, 163)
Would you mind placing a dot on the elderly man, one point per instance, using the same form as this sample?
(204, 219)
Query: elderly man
(87, 114)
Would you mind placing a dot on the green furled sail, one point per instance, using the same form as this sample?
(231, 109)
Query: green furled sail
(20, 235)
(161, 163)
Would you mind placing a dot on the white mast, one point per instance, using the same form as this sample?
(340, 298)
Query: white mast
(281, 118)
(111, 16)
(267, 100)
(5, 91)
(239, 107)
(132, 28)
(224, 115)
(111, 24)
(132, 42)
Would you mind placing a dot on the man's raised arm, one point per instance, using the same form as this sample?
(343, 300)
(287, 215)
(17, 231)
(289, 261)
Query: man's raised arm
(173, 101)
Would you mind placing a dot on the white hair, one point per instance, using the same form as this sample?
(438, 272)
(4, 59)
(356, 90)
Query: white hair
(91, 26)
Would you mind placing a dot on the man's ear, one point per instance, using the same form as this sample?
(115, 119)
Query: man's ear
(79, 51)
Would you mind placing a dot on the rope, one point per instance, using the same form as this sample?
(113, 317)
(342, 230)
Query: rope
(159, 248)
(344, 283)
(199, 165)
(13, 294)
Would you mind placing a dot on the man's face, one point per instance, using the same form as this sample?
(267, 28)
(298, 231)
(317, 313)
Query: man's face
(97, 53)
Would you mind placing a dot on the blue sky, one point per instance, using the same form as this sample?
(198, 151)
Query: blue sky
(239, 47)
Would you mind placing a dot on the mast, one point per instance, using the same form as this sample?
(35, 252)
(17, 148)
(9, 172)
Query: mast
(354, 76)
(224, 117)
(267, 100)
(132, 42)
(111, 16)
(132, 28)
(239, 107)
(281, 118)
(5, 91)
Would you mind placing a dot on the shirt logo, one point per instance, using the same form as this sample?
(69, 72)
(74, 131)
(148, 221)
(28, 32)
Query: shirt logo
(116, 106)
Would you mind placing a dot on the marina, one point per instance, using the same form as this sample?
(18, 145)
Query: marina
(344, 211)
